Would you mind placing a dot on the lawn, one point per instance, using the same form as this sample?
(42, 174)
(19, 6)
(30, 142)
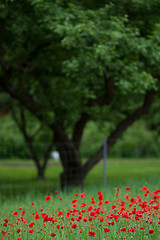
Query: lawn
(19, 177)
(20, 191)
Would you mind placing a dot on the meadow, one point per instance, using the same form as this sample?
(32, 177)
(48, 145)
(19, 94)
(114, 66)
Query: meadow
(127, 207)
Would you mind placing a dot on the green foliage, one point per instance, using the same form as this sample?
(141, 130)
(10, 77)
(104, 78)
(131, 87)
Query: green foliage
(137, 141)
(69, 51)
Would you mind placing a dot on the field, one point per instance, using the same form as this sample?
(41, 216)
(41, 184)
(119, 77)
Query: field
(108, 214)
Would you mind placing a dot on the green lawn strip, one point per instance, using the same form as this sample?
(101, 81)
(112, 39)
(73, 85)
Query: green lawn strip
(22, 179)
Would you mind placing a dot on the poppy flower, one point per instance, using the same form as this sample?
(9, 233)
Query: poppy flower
(48, 198)
(141, 228)
(92, 233)
(122, 229)
(74, 225)
(6, 220)
(15, 213)
(52, 234)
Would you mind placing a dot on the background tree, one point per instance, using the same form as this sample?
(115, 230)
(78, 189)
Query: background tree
(30, 138)
(69, 63)
(35, 139)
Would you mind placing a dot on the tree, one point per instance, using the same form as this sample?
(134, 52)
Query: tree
(40, 152)
(31, 132)
(69, 63)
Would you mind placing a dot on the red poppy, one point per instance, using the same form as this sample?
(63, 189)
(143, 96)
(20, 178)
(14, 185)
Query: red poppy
(15, 213)
(6, 220)
(74, 225)
(52, 234)
(48, 198)
(92, 233)
(141, 228)
(122, 229)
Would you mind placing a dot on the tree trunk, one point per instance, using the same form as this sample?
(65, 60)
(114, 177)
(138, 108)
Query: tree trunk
(72, 178)
(40, 172)
(71, 161)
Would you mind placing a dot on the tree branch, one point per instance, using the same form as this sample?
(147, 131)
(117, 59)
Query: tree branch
(78, 129)
(22, 127)
(103, 100)
(2, 30)
(120, 128)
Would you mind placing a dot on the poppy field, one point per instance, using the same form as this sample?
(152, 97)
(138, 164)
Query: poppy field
(121, 214)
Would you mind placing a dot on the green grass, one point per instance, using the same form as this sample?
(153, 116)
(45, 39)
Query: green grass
(19, 177)
(55, 205)
(19, 187)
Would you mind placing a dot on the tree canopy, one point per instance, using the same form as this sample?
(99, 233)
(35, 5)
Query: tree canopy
(69, 63)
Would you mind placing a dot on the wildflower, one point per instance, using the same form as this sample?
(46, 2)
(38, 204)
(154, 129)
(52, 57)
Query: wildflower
(31, 224)
(74, 225)
(74, 200)
(48, 198)
(52, 234)
(91, 233)
(82, 195)
(122, 229)
(60, 213)
(6, 220)
(15, 213)
(151, 231)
